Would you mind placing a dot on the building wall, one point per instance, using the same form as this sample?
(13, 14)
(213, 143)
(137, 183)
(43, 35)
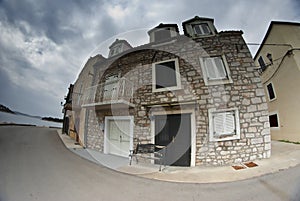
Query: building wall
(284, 74)
(245, 93)
(83, 82)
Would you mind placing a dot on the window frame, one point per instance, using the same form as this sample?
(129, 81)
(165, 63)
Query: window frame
(217, 138)
(200, 24)
(278, 120)
(273, 89)
(215, 81)
(177, 76)
(192, 33)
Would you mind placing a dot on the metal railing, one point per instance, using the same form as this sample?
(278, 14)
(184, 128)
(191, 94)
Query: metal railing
(112, 91)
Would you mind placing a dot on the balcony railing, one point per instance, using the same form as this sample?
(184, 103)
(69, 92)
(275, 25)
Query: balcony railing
(108, 93)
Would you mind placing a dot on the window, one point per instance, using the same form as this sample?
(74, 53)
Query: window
(166, 75)
(224, 125)
(201, 29)
(162, 34)
(215, 70)
(262, 64)
(271, 92)
(274, 121)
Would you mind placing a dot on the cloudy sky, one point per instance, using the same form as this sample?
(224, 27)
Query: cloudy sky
(45, 43)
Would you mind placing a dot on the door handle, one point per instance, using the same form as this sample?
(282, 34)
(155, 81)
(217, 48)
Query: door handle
(120, 138)
(173, 139)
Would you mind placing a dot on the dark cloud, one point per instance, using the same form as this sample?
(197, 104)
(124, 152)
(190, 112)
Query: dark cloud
(43, 43)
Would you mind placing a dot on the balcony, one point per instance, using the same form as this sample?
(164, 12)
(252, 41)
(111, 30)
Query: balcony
(116, 94)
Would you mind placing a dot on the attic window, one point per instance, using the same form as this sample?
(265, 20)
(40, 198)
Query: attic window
(201, 29)
(162, 34)
(115, 50)
(224, 124)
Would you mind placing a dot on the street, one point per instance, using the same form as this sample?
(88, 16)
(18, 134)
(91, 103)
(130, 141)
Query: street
(35, 165)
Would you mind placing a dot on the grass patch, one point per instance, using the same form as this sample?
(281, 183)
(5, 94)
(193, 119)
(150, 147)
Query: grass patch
(287, 141)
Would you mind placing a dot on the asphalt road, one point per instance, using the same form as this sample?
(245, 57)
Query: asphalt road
(35, 165)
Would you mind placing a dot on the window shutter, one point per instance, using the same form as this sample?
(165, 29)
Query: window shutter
(215, 68)
(224, 123)
(210, 70)
(205, 29)
(221, 73)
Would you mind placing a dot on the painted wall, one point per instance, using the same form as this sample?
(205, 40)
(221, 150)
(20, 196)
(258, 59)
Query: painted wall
(284, 74)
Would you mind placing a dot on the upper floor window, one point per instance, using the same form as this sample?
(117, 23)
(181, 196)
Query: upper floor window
(215, 70)
(165, 75)
(271, 92)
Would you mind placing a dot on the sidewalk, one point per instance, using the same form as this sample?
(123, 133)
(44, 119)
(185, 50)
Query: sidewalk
(284, 156)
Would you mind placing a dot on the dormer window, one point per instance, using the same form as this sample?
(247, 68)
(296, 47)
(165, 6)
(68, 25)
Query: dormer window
(163, 32)
(199, 27)
(118, 47)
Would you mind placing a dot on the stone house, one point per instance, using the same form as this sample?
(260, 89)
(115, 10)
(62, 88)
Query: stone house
(198, 93)
(279, 60)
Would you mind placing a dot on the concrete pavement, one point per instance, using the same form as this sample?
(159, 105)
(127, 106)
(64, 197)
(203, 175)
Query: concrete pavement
(284, 155)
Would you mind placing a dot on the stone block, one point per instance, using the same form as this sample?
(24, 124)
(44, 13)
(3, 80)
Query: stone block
(260, 92)
(257, 141)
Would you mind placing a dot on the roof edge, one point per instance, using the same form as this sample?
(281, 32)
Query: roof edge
(269, 30)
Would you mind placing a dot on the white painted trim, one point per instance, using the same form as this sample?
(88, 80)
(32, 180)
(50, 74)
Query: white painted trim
(268, 95)
(278, 120)
(215, 82)
(177, 73)
(211, 125)
(193, 129)
(106, 130)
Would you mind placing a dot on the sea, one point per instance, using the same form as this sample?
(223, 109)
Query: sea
(21, 119)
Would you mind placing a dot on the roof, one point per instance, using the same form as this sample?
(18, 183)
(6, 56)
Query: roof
(161, 26)
(117, 41)
(197, 18)
(269, 31)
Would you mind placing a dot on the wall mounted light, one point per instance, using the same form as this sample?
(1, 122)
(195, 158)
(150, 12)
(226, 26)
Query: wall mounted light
(269, 56)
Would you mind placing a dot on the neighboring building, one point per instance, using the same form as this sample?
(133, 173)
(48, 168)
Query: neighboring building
(74, 114)
(199, 94)
(279, 59)
(67, 110)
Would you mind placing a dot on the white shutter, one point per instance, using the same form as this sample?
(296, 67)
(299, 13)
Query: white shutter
(210, 68)
(224, 123)
(215, 68)
(221, 73)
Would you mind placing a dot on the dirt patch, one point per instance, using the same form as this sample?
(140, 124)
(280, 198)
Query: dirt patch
(238, 167)
(250, 164)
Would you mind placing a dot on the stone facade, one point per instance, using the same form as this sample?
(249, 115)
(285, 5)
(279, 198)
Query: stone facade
(245, 94)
